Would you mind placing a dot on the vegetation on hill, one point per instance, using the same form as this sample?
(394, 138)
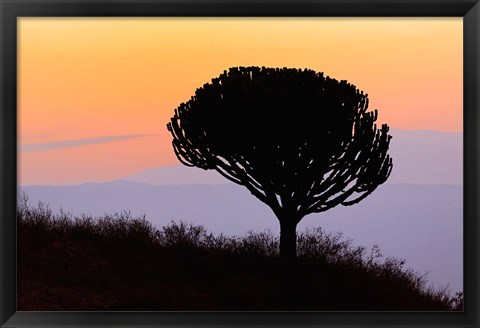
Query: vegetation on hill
(117, 262)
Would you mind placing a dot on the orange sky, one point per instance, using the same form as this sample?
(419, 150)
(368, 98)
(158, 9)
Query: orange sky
(95, 94)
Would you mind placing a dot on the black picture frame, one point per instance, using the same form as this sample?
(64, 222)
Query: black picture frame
(10, 10)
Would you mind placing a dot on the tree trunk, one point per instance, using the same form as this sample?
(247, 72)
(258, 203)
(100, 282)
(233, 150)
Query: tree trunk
(288, 241)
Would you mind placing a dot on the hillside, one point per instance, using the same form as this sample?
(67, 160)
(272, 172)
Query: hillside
(117, 262)
(420, 223)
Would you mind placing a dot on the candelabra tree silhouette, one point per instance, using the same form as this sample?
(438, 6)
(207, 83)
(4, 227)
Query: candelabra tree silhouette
(298, 141)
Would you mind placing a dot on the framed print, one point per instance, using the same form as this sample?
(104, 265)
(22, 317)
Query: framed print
(225, 163)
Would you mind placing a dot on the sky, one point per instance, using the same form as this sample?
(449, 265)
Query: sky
(95, 94)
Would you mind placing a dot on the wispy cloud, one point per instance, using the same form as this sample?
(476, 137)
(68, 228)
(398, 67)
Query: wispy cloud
(77, 143)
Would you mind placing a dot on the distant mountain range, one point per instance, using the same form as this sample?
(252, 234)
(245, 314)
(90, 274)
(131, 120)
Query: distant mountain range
(423, 157)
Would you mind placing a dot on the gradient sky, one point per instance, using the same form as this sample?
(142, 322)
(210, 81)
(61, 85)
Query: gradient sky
(95, 94)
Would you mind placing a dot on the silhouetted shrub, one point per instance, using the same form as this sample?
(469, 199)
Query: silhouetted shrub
(183, 235)
(113, 226)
